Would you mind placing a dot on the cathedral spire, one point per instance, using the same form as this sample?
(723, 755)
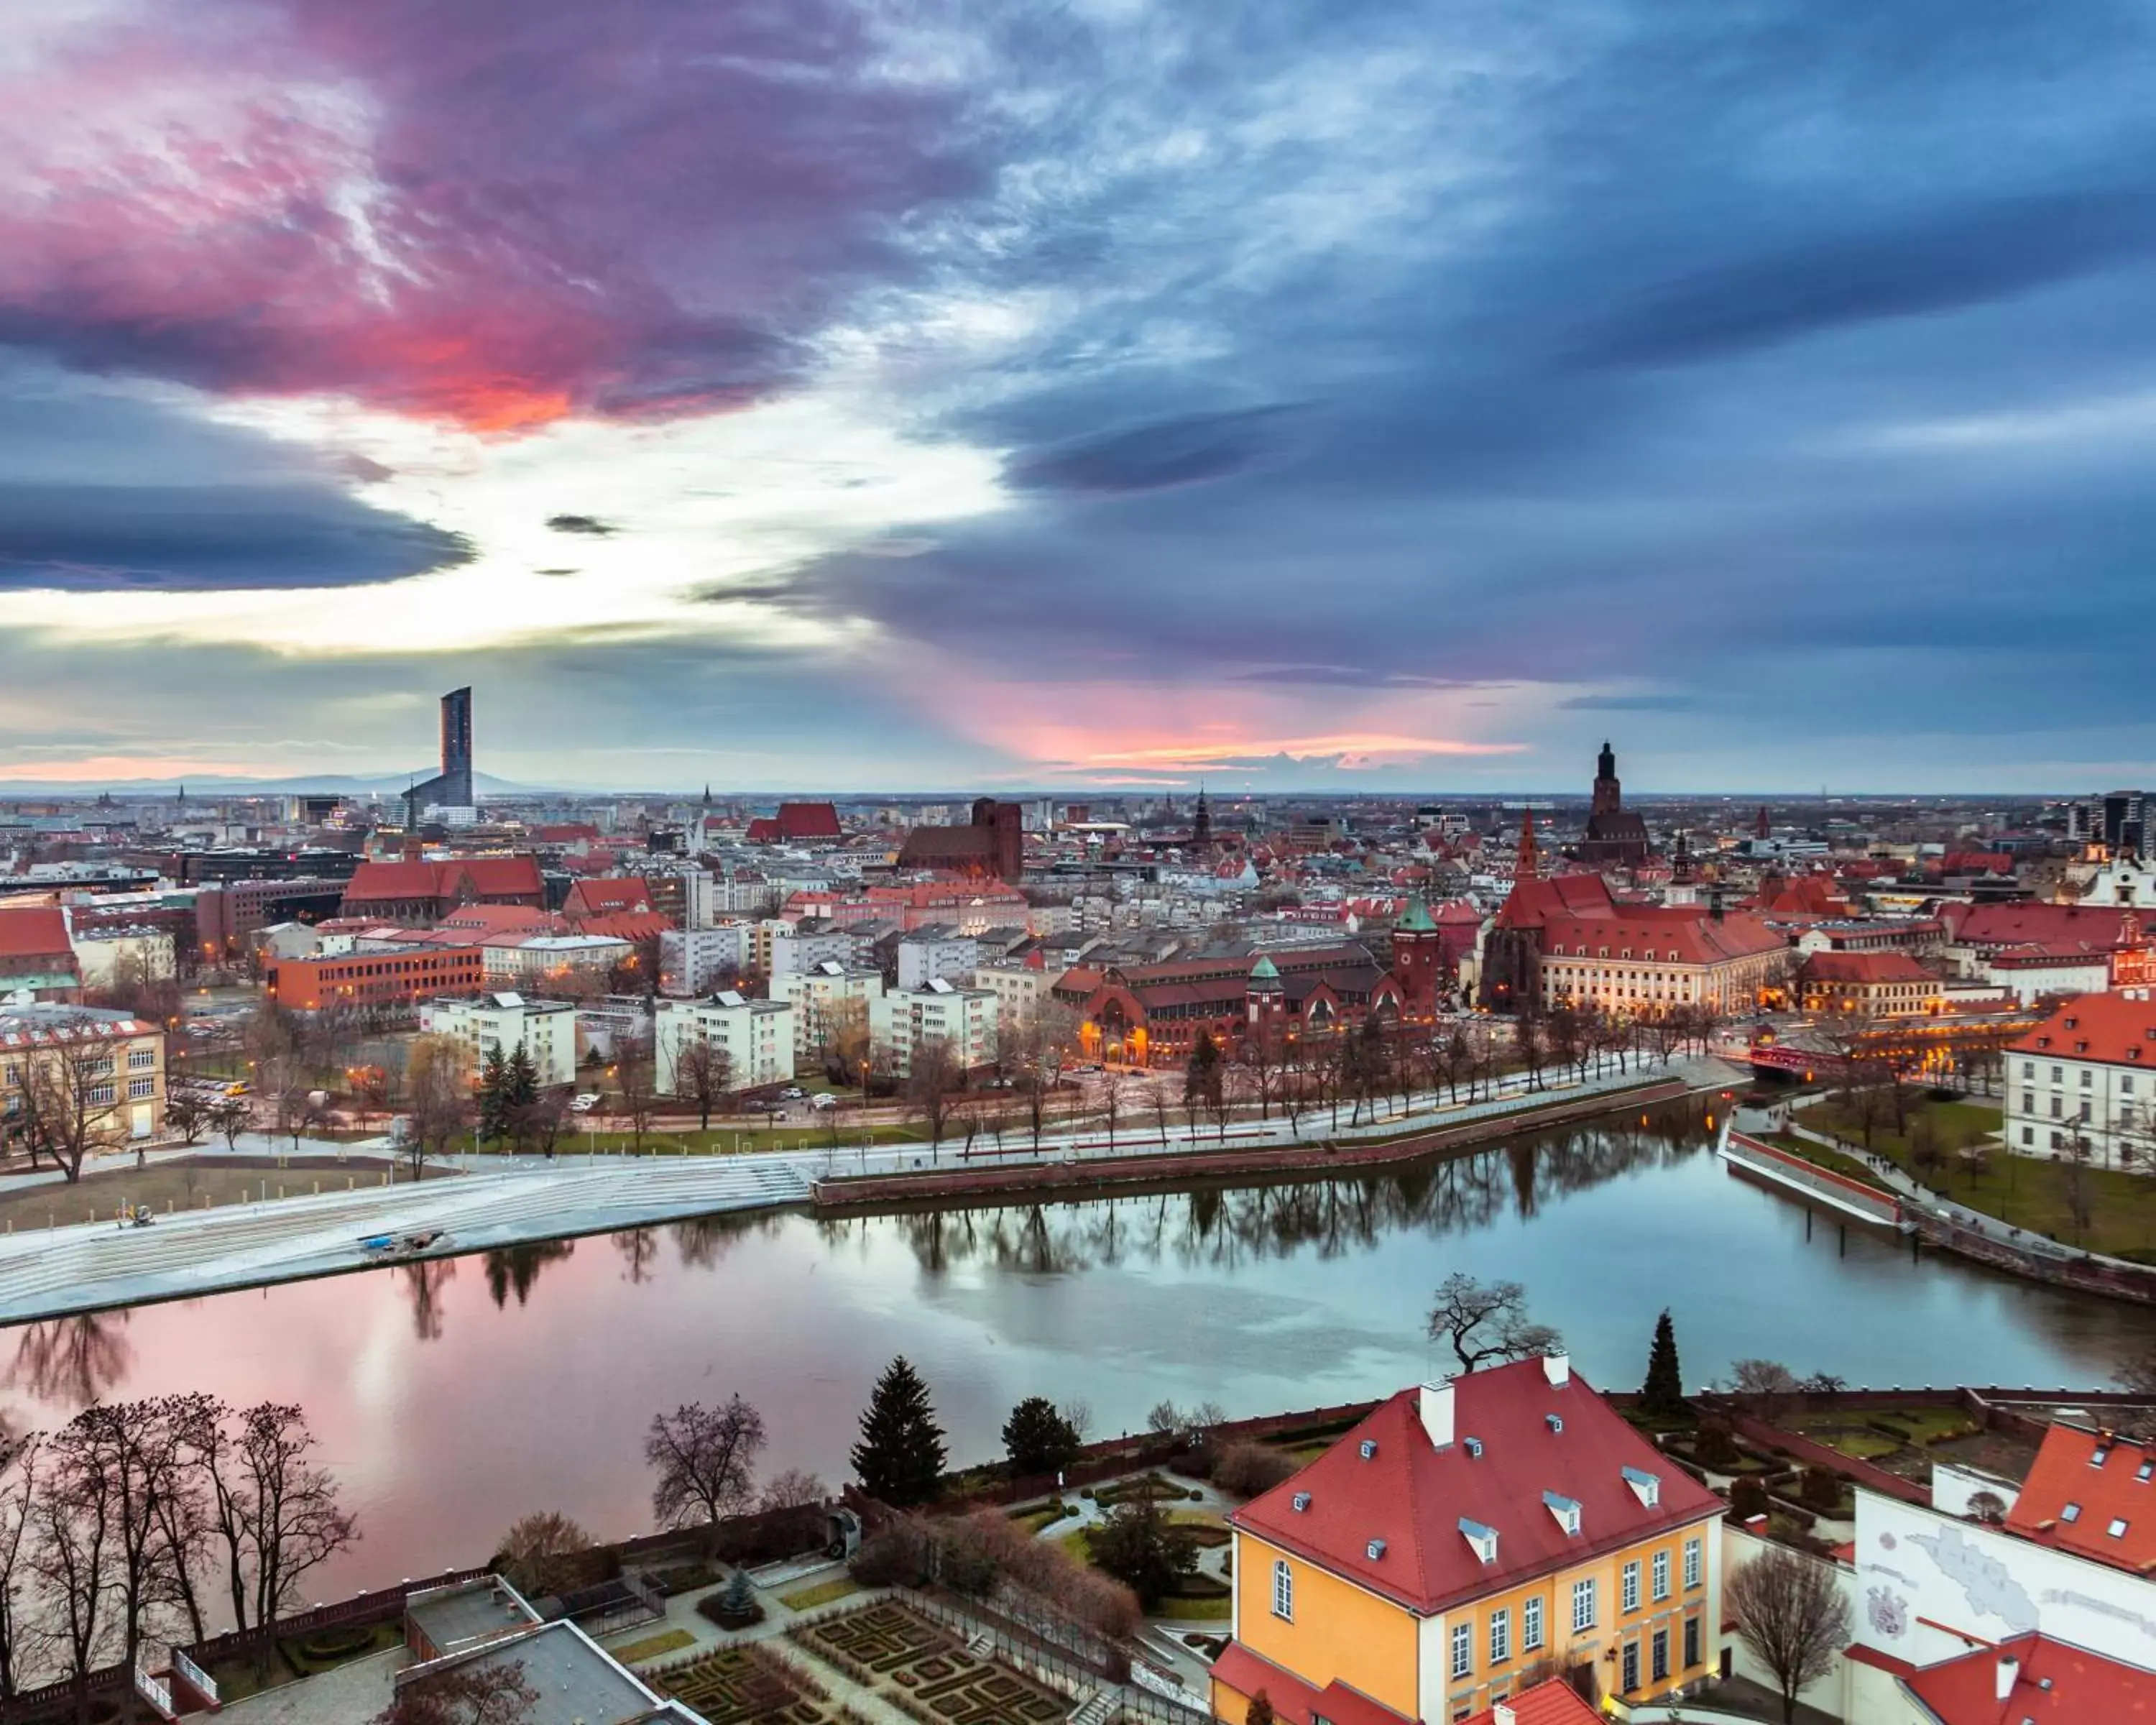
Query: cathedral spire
(1529, 865)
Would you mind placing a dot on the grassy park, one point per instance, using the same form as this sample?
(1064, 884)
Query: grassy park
(170, 1186)
(2034, 1194)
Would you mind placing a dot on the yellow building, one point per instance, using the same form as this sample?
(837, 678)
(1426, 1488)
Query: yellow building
(1469, 1538)
(91, 1078)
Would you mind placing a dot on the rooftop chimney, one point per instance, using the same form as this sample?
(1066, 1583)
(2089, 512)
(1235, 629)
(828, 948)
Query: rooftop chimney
(1503, 1714)
(1557, 1369)
(1436, 1409)
(2010, 1668)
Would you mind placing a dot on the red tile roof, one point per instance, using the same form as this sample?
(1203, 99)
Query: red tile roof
(1532, 902)
(2118, 1029)
(807, 820)
(489, 876)
(1554, 1702)
(2016, 925)
(2055, 1684)
(2120, 1493)
(1873, 967)
(1675, 934)
(597, 897)
(34, 932)
(1294, 1700)
(1413, 1496)
(628, 925)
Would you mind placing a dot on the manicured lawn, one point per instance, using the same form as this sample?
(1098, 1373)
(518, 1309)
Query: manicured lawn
(1928, 1425)
(1178, 1609)
(1831, 1160)
(808, 1598)
(1033, 1519)
(652, 1647)
(1079, 1542)
(184, 1186)
(1858, 1445)
(2026, 1192)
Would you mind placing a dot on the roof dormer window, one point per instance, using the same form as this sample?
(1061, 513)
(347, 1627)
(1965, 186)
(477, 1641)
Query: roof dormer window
(1482, 1540)
(1645, 1487)
(1300, 1502)
(1565, 1509)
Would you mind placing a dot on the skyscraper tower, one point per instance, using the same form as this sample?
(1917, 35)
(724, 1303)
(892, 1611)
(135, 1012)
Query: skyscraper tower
(452, 786)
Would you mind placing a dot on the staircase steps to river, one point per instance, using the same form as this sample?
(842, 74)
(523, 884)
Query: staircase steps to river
(43, 1270)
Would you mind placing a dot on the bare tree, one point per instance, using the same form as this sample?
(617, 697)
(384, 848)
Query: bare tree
(1112, 1102)
(635, 1082)
(793, 1489)
(1790, 1612)
(933, 1078)
(705, 1460)
(1487, 1321)
(71, 1108)
(703, 1073)
(544, 1554)
(272, 1512)
(72, 1557)
(440, 1099)
(1765, 1385)
(479, 1691)
(187, 1112)
(19, 1640)
(2138, 1377)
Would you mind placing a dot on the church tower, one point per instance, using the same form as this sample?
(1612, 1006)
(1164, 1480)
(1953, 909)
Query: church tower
(1529, 865)
(1609, 793)
(1201, 826)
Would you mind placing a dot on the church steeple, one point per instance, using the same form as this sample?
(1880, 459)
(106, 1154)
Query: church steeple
(1609, 793)
(1201, 824)
(1529, 865)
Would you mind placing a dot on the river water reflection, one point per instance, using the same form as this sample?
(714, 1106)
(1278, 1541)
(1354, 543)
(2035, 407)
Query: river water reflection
(454, 1397)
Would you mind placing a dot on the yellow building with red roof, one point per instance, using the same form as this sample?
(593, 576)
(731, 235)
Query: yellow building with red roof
(1468, 1540)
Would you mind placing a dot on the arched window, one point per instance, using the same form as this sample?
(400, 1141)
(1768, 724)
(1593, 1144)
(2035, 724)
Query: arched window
(1283, 1591)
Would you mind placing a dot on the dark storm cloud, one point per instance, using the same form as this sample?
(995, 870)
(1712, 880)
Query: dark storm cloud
(207, 536)
(1938, 261)
(107, 489)
(1173, 452)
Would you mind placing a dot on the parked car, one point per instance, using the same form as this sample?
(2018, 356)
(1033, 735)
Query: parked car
(791, 1093)
(763, 1104)
(584, 1102)
(823, 1099)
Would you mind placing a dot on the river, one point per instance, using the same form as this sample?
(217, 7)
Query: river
(454, 1397)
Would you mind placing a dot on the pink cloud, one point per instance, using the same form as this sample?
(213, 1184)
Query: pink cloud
(497, 214)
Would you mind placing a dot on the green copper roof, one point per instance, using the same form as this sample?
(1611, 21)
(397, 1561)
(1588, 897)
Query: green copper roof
(1417, 920)
(1264, 970)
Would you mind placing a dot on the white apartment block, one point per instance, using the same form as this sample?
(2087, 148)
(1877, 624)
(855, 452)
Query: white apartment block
(101, 954)
(965, 1019)
(502, 1022)
(795, 947)
(932, 955)
(825, 996)
(533, 960)
(1020, 990)
(2087, 1075)
(757, 1036)
(696, 960)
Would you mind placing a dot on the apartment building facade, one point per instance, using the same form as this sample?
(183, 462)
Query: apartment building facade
(2083, 1083)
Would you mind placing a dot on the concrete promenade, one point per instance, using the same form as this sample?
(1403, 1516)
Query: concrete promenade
(501, 1201)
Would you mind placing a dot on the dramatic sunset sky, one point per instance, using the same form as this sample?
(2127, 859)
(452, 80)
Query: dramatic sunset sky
(955, 393)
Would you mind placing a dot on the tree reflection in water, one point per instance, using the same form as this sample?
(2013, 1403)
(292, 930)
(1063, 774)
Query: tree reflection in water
(425, 1280)
(702, 1241)
(513, 1269)
(1225, 1227)
(72, 1361)
(638, 1247)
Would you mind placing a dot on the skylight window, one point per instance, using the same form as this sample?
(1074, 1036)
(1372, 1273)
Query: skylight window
(2071, 1512)
(2117, 1530)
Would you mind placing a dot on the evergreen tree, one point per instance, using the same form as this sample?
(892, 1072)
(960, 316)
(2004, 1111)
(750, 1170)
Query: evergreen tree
(1039, 1438)
(493, 1097)
(899, 1458)
(519, 1095)
(1663, 1394)
(1202, 1079)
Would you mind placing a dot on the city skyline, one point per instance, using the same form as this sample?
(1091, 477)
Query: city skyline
(865, 397)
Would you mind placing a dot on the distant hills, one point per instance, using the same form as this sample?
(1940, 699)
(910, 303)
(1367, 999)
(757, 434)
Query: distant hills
(309, 785)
